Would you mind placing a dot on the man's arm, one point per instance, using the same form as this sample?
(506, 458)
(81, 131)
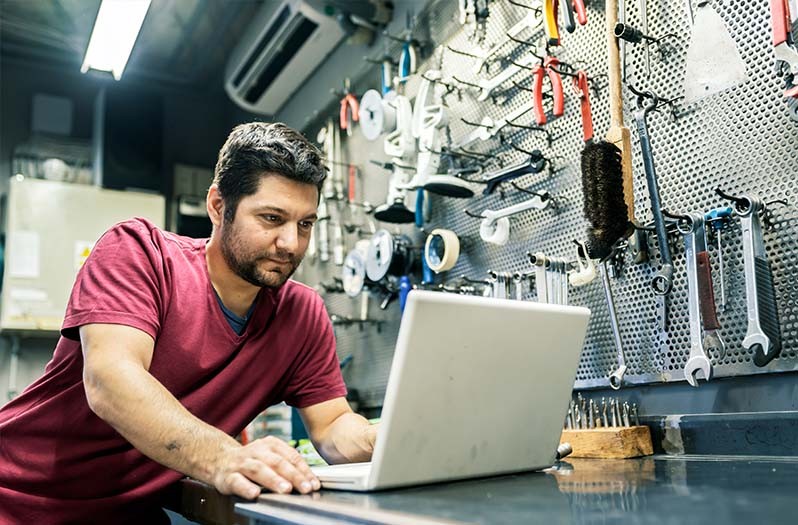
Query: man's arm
(339, 435)
(122, 392)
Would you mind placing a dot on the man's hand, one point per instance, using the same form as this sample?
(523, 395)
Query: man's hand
(268, 462)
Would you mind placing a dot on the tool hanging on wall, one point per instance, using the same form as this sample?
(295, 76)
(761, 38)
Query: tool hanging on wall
(441, 250)
(430, 116)
(377, 116)
(400, 145)
(586, 272)
(495, 226)
(606, 211)
(582, 89)
(763, 336)
(535, 163)
(718, 218)
(549, 67)
(488, 128)
(353, 273)
(600, 157)
(713, 62)
(700, 298)
(391, 256)
(550, 26)
(663, 279)
(349, 111)
(786, 52)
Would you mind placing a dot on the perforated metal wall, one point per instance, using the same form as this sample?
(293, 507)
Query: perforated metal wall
(741, 140)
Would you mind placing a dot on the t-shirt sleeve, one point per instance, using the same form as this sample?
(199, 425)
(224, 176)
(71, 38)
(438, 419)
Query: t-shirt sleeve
(119, 283)
(316, 377)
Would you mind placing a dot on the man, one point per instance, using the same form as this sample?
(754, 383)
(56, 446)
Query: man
(171, 345)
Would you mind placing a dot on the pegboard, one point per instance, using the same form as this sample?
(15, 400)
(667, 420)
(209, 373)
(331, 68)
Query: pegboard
(741, 140)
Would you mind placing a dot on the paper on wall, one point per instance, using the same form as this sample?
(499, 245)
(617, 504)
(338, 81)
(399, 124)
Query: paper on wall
(23, 255)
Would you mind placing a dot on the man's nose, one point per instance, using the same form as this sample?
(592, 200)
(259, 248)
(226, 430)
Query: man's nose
(288, 238)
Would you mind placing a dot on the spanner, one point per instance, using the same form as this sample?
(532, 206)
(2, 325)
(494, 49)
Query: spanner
(616, 378)
(764, 334)
(694, 233)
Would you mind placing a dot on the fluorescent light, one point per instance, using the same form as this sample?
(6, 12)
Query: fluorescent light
(115, 31)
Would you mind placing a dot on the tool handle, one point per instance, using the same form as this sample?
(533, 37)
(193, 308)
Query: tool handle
(556, 90)
(537, 96)
(550, 22)
(780, 17)
(581, 12)
(706, 292)
(584, 105)
(567, 9)
(351, 185)
(614, 70)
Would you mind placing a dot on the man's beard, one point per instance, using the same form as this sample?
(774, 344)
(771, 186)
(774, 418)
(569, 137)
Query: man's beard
(246, 264)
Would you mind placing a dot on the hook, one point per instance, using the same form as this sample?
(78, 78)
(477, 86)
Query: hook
(530, 192)
(475, 124)
(549, 137)
(473, 215)
(461, 52)
(521, 41)
(519, 4)
(507, 142)
(466, 83)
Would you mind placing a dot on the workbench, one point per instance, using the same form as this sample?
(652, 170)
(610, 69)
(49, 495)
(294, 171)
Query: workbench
(657, 490)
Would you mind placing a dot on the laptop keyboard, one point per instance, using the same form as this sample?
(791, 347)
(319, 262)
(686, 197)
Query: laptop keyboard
(348, 470)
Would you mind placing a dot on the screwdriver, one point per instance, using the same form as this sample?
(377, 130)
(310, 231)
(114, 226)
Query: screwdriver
(718, 218)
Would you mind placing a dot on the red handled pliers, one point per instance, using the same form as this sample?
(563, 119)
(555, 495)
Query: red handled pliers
(580, 84)
(349, 104)
(550, 64)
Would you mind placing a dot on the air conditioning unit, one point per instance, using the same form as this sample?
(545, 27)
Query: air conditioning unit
(284, 44)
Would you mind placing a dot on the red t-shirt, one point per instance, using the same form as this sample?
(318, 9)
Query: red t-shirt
(60, 463)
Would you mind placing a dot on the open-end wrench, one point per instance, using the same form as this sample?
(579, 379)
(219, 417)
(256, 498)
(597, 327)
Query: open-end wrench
(541, 286)
(764, 334)
(616, 378)
(693, 230)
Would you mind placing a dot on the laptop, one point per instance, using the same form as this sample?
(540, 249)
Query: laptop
(478, 387)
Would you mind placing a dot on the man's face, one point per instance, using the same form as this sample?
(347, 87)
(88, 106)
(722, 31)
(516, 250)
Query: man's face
(267, 239)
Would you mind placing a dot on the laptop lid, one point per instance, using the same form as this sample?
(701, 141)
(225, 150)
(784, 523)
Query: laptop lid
(478, 386)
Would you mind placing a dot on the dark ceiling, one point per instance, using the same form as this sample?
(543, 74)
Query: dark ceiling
(183, 44)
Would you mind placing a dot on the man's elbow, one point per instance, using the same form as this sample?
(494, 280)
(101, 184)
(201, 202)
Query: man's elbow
(97, 395)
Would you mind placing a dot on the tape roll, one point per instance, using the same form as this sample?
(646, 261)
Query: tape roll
(495, 232)
(372, 115)
(441, 250)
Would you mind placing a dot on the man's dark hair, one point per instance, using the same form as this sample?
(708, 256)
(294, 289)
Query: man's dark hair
(258, 148)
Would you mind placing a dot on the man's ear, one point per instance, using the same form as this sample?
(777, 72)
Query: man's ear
(215, 205)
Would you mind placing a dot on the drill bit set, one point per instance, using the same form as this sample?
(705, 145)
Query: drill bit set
(609, 429)
(584, 414)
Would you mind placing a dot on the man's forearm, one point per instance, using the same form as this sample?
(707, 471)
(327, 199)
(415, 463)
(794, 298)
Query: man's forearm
(350, 438)
(140, 408)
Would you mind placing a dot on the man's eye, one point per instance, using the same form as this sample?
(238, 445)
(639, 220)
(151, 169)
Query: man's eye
(271, 218)
(306, 225)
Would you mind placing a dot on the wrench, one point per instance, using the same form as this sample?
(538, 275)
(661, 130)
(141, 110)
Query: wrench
(616, 378)
(541, 287)
(663, 279)
(693, 231)
(764, 334)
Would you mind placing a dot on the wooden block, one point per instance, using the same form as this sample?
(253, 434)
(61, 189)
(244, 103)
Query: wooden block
(616, 442)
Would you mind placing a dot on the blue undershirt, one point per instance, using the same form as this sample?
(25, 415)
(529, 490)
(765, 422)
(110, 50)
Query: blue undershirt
(237, 323)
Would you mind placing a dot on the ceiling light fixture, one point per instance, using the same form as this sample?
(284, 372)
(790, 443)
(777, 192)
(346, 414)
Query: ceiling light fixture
(115, 31)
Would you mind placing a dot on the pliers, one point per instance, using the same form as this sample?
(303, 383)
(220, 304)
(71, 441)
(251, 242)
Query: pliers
(349, 104)
(785, 51)
(550, 64)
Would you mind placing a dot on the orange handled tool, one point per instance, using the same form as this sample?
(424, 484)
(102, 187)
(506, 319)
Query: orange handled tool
(549, 63)
(580, 83)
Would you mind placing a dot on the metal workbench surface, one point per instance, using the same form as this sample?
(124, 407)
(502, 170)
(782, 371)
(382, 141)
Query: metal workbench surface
(661, 490)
